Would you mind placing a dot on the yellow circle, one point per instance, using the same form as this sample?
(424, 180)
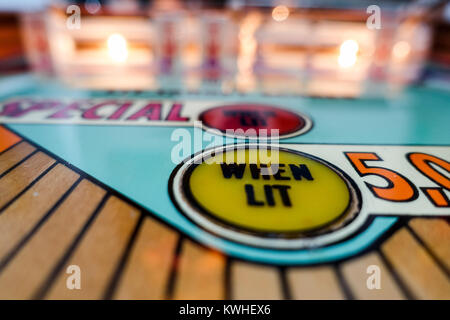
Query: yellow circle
(270, 191)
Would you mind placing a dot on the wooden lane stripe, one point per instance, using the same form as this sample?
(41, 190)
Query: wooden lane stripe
(170, 287)
(314, 283)
(200, 273)
(7, 139)
(98, 252)
(416, 267)
(435, 233)
(14, 155)
(147, 270)
(348, 294)
(29, 186)
(4, 173)
(112, 285)
(20, 177)
(355, 274)
(47, 283)
(35, 228)
(254, 282)
(24, 275)
(22, 215)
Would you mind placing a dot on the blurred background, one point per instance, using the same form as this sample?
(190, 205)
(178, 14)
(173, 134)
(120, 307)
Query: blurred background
(352, 48)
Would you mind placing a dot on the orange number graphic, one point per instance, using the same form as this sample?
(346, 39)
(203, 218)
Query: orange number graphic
(399, 188)
(421, 161)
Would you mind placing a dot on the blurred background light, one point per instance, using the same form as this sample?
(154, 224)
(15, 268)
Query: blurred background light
(117, 47)
(280, 13)
(348, 53)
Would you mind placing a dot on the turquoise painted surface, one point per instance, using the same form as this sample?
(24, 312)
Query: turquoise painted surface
(136, 160)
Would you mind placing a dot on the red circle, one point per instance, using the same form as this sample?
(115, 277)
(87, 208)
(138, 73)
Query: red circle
(252, 116)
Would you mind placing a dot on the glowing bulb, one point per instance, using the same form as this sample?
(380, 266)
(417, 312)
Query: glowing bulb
(349, 47)
(347, 53)
(117, 47)
(401, 50)
(280, 13)
(346, 61)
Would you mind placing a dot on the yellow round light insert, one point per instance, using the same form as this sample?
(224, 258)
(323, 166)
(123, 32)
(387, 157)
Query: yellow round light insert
(268, 191)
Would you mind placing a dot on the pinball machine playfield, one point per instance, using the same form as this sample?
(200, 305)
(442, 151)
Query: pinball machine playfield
(223, 153)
